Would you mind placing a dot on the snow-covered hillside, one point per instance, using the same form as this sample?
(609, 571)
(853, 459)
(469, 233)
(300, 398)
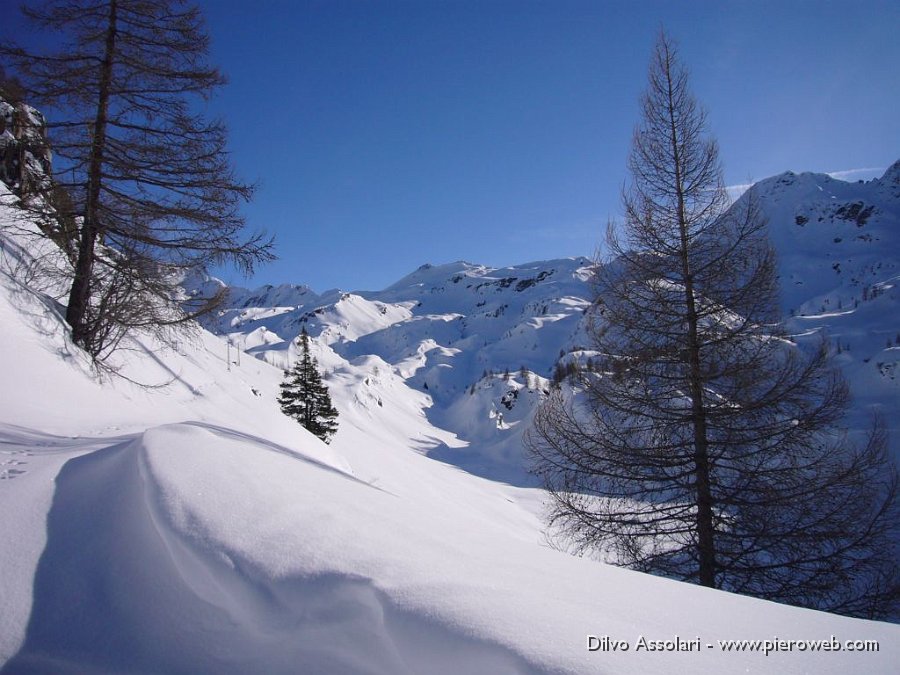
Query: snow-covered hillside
(190, 527)
(443, 329)
(475, 345)
(839, 255)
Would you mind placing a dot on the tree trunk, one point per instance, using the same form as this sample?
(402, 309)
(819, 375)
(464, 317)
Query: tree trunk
(706, 551)
(79, 295)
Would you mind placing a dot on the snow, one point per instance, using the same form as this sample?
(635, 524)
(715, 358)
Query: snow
(191, 527)
(839, 259)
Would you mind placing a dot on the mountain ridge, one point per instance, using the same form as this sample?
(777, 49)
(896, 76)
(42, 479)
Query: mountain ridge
(449, 330)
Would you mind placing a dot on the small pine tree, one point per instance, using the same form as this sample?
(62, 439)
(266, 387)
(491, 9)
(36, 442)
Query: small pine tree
(305, 398)
(559, 374)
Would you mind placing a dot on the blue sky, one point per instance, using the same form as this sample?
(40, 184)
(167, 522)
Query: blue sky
(387, 134)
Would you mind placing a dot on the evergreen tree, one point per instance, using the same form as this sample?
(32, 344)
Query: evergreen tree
(707, 447)
(305, 397)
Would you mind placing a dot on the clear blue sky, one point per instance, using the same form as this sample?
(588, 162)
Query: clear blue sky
(386, 134)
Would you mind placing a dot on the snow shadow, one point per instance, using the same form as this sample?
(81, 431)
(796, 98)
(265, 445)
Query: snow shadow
(119, 590)
(478, 462)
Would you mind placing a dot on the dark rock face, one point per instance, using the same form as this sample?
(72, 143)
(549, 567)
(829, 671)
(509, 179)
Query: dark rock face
(25, 155)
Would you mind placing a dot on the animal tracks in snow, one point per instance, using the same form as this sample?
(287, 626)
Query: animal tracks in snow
(20, 446)
(10, 461)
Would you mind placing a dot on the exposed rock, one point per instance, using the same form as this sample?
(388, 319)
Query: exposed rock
(25, 155)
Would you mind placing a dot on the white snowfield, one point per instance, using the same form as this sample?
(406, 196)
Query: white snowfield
(192, 528)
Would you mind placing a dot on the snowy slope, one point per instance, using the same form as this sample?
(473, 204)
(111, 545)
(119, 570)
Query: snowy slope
(191, 528)
(449, 332)
(839, 257)
(452, 331)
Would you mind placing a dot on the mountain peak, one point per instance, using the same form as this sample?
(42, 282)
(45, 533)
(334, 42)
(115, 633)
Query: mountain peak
(889, 183)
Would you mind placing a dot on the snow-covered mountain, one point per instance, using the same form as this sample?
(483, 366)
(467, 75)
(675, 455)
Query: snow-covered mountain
(839, 255)
(443, 330)
(478, 343)
(189, 526)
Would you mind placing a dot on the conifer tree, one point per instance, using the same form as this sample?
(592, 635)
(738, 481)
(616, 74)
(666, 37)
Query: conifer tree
(144, 174)
(706, 447)
(305, 397)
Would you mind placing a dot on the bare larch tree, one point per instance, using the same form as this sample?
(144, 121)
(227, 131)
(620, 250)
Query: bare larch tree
(707, 447)
(144, 175)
